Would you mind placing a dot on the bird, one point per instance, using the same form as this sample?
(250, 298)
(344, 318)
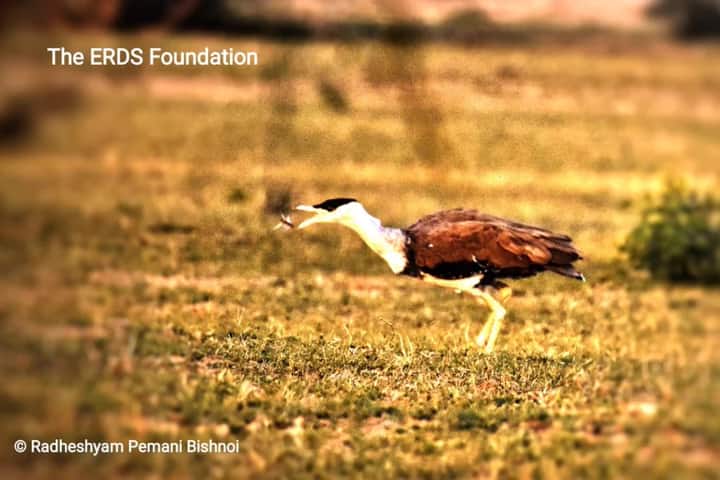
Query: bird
(461, 249)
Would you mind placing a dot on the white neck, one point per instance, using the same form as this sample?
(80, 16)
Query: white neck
(387, 242)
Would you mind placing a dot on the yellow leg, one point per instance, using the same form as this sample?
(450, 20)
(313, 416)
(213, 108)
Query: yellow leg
(497, 323)
(482, 337)
(488, 335)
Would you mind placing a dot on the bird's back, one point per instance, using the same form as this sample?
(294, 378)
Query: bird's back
(459, 241)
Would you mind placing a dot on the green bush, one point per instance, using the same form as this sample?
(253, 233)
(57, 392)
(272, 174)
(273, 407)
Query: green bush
(678, 238)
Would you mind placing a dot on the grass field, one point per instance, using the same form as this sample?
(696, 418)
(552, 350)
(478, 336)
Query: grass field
(145, 296)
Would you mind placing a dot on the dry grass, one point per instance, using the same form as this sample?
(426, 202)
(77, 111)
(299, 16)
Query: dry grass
(144, 295)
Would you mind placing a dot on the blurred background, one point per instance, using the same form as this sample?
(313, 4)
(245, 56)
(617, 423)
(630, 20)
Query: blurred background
(143, 293)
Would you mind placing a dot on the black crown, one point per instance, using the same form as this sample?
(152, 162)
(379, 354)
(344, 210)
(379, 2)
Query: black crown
(333, 203)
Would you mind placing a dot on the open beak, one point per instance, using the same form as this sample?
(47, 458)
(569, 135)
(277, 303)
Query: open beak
(320, 215)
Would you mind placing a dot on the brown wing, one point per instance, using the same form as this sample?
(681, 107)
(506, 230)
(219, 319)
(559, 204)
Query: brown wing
(454, 243)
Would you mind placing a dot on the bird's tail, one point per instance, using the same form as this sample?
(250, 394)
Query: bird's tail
(567, 271)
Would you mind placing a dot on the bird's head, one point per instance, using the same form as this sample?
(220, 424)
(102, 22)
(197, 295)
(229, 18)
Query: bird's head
(335, 210)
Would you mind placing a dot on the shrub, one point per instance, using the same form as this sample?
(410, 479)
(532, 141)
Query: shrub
(678, 238)
(690, 18)
(468, 26)
(333, 97)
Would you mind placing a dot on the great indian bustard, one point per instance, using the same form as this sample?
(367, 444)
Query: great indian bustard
(460, 249)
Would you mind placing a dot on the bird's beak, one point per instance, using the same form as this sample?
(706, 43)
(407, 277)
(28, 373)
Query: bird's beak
(320, 215)
(306, 208)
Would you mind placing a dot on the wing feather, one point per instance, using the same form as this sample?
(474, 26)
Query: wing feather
(523, 245)
(467, 236)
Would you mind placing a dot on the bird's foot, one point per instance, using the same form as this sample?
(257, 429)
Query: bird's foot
(484, 345)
